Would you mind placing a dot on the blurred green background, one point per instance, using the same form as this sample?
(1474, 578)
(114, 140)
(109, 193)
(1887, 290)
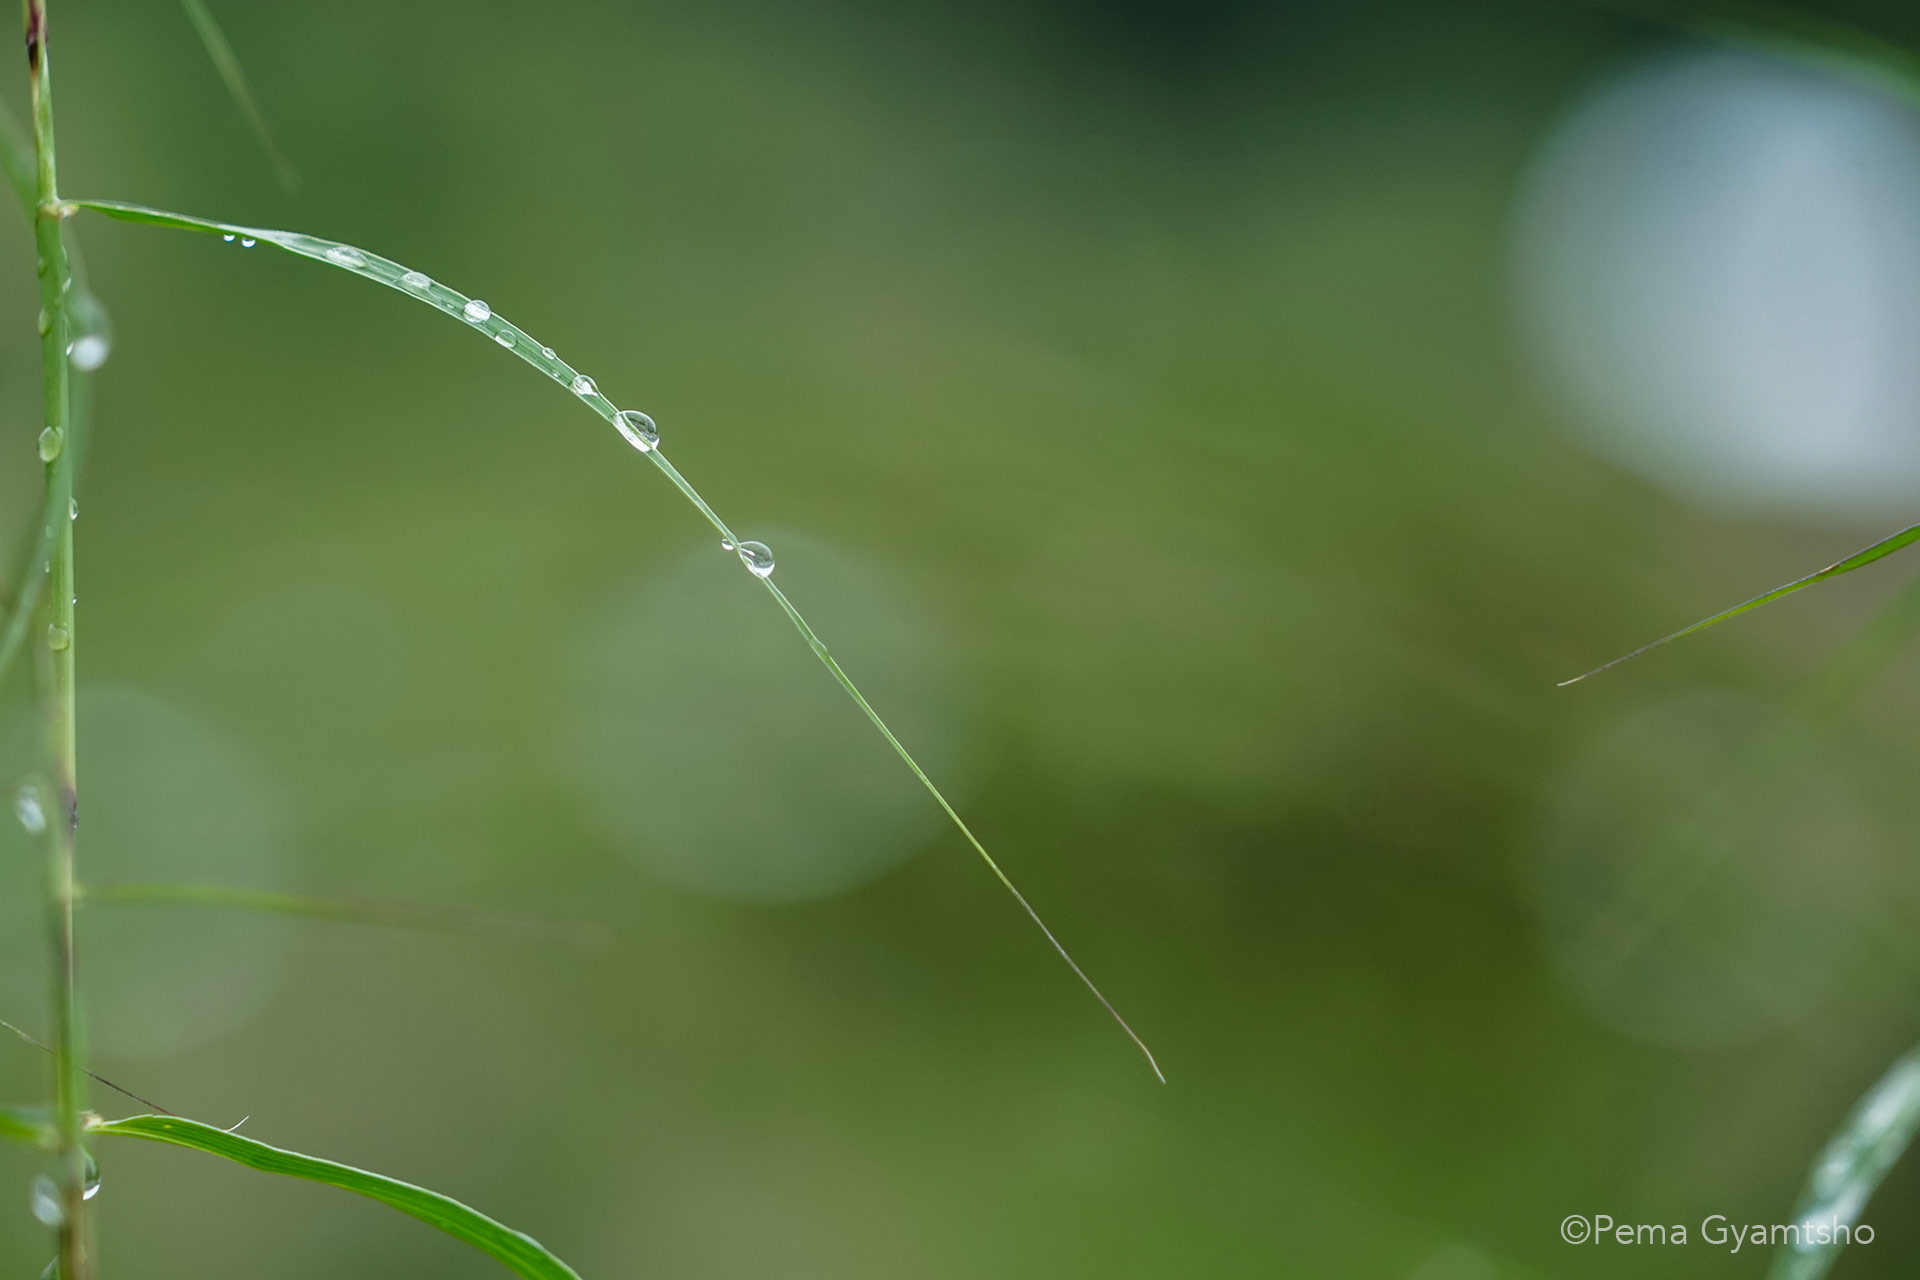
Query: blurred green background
(1133, 396)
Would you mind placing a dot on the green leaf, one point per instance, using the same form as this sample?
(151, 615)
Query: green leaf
(31, 1125)
(523, 1254)
(1850, 1167)
(1879, 550)
(479, 316)
(231, 74)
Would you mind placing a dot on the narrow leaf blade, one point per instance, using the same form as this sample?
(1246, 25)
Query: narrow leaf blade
(1859, 559)
(521, 1253)
(1849, 1169)
(227, 63)
(30, 1125)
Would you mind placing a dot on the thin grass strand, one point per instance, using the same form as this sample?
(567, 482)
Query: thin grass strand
(1859, 559)
(234, 76)
(478, 316)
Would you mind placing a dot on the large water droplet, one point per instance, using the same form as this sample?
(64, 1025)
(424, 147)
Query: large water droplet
(46, 1202)
(50, 442)
(91, 337)
(547, 352)
(46, 323)
(26, 807)
(638, 428)
(583, 385)
(57, 637)
(345, 257)
(91, 1187)
(757, 556)
(418, 281)
(477, 311)
(247, 242)
(89, 352)
(73, 508)
(504, 339)
(228, 238)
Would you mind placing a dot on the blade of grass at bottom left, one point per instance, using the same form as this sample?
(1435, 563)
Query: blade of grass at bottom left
(522, 1253)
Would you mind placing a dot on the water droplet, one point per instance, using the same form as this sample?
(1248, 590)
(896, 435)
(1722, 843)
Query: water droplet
(758, 557)
(504, 339)
(91, 1187)
(91, 336)
(346, 257)
(247, 242)
(89, 352)
(477, 311)
(227, 238)
(73, 508)
(46, 1202)
(583, 385)
(418, 281)
(57, 637)
(26, 807)
(46, 323)
(547, 352)
(638, 428)
(50, 442)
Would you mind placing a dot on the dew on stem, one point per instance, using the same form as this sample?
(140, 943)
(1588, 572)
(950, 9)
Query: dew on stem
(638, 428)
(46, 1202)
(27, 808)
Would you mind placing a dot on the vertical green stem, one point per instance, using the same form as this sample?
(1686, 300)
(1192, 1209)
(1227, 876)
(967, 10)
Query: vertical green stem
(56, 666)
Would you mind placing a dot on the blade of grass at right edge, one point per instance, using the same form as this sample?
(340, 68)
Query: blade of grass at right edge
(634, 428)
(1877, 1132)
(1848, 1170)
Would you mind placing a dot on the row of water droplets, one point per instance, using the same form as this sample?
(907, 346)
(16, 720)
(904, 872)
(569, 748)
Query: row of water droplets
(637, 428)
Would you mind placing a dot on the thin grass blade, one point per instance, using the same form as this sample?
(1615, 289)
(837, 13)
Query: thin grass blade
(1849, 1169)
(95, 1076)
(478, 315)
(1859, 559)
(400, 915)
(227, 63)
(31, 1125)
(1811, 39)
(521, 1253)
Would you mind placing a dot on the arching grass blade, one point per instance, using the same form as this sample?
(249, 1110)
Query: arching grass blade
(1859, 559)
(1849, 1168)
(479, 315)
(521, 1253)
